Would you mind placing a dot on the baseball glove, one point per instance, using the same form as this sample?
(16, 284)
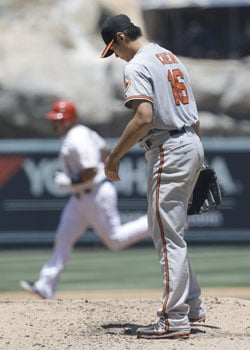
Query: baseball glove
(206, 194)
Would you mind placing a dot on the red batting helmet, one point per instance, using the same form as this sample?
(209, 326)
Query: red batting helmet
(62, 110)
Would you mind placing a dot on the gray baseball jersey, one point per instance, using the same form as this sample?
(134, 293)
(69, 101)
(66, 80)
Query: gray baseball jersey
(156, 75)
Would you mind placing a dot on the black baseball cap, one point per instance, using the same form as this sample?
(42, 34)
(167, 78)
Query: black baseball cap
(110, 28)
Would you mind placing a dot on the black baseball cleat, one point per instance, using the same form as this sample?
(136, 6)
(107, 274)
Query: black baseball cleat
(155, 331)
(198, 319)
(29, 287)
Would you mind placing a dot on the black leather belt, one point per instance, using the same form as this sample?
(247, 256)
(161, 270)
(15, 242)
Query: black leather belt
(177, 131)
(148, 143)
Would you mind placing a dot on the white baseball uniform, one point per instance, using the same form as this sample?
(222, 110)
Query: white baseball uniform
(94, 207)
(174, 156)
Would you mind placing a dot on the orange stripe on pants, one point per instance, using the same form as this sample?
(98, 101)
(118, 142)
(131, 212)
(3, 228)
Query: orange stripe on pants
(164, 243)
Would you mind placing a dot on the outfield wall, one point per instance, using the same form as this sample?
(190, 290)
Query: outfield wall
(30, 203)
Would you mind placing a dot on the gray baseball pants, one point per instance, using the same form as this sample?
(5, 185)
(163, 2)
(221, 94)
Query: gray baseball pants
(173, 169)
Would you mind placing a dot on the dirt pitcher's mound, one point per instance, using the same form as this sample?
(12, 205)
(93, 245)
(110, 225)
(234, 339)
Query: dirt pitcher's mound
(89, 324)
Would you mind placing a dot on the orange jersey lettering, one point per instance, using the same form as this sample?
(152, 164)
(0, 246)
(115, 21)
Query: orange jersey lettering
(166, 57)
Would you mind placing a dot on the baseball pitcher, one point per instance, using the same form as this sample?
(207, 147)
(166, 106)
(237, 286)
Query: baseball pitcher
(165, 122)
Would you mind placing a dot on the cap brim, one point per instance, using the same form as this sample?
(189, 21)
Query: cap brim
(107, 51)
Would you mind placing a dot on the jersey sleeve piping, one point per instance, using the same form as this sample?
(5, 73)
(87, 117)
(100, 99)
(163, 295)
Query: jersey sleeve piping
(128, 100)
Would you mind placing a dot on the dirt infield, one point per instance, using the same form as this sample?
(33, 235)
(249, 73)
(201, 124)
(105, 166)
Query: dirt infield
(105, 320)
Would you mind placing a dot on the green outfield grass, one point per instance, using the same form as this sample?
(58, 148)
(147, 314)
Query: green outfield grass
(134, 268)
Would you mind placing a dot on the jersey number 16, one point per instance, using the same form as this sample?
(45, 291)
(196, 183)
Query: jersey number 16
(180, 93)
